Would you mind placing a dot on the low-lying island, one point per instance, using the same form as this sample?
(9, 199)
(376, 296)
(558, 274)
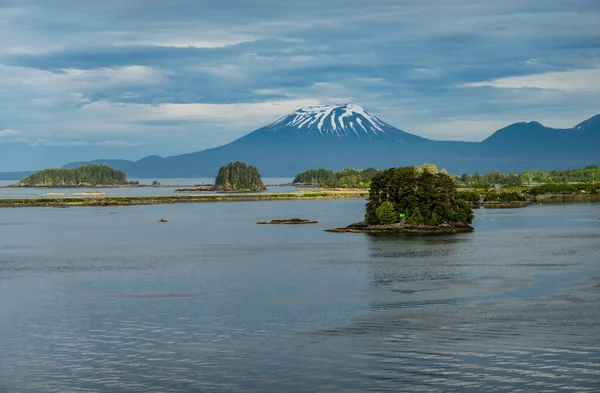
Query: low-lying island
(361, 227)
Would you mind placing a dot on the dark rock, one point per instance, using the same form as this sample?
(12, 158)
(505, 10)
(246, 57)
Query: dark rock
(361, 227)
(289, 221)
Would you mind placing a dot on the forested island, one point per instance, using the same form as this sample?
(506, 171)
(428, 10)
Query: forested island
(90, 175)
(345, 178)
(413, 200)
(239, 177)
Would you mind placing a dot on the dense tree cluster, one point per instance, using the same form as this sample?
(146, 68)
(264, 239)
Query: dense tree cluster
(565, 189)
(348, 177)
(238, 176)
(345, 178)
(415, 196)
(588, 174)
(91, 174)
(469, 196)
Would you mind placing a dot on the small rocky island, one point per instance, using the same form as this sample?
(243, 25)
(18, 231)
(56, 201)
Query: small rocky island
(413, 200)
(289, 221)
(361, 227)
(239, 177)
(197, 188)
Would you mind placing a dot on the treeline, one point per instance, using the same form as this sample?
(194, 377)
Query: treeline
(349, 177)
(589, 174)
(238, 176)
(91, 174)
(564, 189)
(345, 178)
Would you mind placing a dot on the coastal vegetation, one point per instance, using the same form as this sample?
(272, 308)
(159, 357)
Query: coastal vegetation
(589, 174)
(345, 178)
(564, 189)
(471, 196)
(84, 175)
(503, 196)
(238, 177)
(414, 196)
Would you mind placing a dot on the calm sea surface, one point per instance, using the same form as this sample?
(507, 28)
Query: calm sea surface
(272, 187)
(109, 300)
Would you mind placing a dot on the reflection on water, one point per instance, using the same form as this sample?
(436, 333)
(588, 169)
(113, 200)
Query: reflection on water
(107, 300)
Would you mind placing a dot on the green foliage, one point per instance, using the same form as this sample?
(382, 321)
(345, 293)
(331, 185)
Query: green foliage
(91, 174)
(345, 178)
(565, 189)
(589, 174)
(495, 196)
(427, 168)
(424, 197)
(386, 214)
(238, 176)
(491, 179)
(469, 196)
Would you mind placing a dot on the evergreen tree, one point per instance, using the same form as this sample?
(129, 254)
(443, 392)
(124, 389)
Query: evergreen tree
(422, 196)
(238, 176)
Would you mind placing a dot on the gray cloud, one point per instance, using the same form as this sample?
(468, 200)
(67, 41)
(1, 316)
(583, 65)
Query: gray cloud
(418, 65)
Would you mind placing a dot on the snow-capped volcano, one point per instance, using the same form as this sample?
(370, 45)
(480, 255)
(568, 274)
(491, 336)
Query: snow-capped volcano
(339, 120)
(347, 136)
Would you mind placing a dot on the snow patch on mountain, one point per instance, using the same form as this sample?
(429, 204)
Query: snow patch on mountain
(340, 120)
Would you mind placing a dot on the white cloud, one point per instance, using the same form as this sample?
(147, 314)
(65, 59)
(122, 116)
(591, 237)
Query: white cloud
(9, 133)
(576, 81)
(47, 142)
(244, 114)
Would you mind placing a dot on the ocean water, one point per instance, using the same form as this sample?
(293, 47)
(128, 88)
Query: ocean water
(110, 300)
(273, 186)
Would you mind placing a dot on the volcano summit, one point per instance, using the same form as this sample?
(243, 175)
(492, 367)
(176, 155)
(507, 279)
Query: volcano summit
(341, 120)
(338, 136)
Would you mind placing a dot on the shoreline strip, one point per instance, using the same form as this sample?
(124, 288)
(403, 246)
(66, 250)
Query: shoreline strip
(161, 200)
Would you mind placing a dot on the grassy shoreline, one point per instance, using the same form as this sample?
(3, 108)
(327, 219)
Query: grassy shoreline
(160, 200)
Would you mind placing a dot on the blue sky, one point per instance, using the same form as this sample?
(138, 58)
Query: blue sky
(128, 78)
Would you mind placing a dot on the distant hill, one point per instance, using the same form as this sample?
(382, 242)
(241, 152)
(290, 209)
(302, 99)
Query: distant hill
(339, 136)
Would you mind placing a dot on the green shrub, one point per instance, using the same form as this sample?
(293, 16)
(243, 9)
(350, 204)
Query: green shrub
(469, 196)
(386, 214)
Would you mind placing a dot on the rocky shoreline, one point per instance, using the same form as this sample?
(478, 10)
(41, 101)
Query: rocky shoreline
(361, 227)
(156, 200)
(505, 205)
(289, 221)
(197, 188)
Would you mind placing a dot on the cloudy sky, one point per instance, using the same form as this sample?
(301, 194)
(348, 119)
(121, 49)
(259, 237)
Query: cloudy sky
(84, 79)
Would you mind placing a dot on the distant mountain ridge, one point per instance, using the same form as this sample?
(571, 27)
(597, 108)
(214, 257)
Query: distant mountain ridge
(338, 136)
